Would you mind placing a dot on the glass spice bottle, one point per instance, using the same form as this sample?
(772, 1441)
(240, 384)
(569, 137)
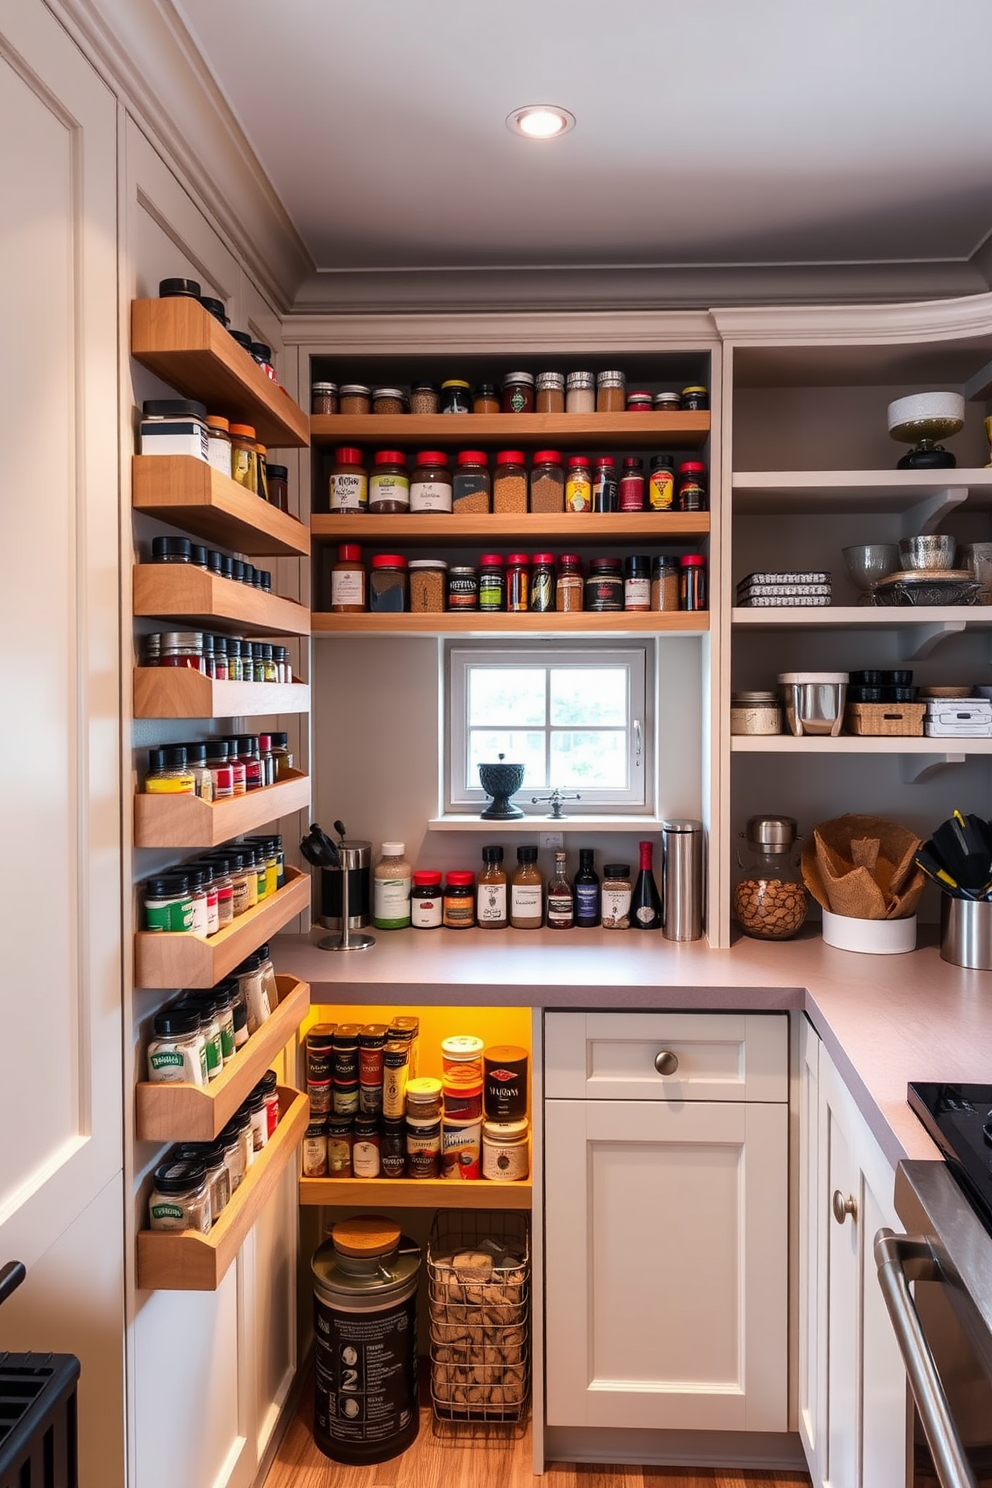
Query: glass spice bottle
(604, 585)
(492, 583)
(518, 392)
(550, 393)
(645, 902)
(486, 398)
(580, 392)
(355, 397)
(637, 582)
(491, 911)
(279, 487)
(517, 583)
(526, 891)
(569, 588)
(694, 399)
(430, 483)
(661, 484)
(692, 486)
(610, 392)
(692, 582)
(348, 485)
(348, 582)
(510, 483)
(244, 460)
(459, 900)
(389, 483)
(391, 888)
(425, 398)
(168, 773)
(472, 487)
(605, 496)
(547, 482)
(665, 584)
(631, 495)
(542, 584)
(455, 396)
(578, 485)
(561, 901)
(324, 398)
(388, 584)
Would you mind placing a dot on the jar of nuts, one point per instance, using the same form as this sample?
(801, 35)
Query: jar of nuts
(770, 900)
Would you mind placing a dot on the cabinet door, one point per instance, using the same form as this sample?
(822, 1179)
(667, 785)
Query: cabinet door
(809, 1277)
(666, 1265)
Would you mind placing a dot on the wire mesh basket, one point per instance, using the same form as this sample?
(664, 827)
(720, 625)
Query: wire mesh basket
(478, 1276)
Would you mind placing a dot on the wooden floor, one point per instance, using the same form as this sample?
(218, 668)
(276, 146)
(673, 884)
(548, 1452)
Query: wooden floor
(444, 1461)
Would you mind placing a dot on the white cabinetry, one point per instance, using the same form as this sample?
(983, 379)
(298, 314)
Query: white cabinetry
(852, 1390)
(666, 1232)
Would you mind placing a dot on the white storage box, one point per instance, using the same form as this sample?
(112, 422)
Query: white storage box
(959, 718)
(876, 937)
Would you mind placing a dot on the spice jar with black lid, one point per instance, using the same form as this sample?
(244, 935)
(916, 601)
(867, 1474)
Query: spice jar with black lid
(389, 483)
(518, 392)
(604, 585)
(172, 550)
(486, 398)
(388, 584)
(172, 289)
(279, 486)
(455, 396)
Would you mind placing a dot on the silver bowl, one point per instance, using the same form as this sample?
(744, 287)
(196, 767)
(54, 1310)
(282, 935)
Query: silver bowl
(931, 550)
(869, 562)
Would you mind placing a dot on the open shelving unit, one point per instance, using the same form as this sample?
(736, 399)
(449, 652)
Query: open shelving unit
(179, 692)
(417, 1193)
(580, 623)
(444, 530)
(595, 431)
(180, 591)
(188, 821)
(193, 495)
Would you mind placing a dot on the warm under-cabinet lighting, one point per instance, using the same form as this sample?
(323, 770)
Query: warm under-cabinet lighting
(541, 121)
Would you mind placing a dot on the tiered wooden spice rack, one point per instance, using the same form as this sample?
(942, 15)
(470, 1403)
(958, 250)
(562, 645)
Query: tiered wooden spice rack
(417, 1193)
(181, 592)
(192, 495)
(186, 821)
(177, 692)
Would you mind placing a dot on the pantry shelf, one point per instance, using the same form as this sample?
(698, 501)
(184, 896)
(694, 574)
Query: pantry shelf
(197, 1113)
(528, 825)
(193, 495)
(867, 617)
(417, 1193)
(583, 622)
(186, 821)
(185, 1260)
(888, 744)
(180, 692)
(179, 959)
(442, 530)
(598, 431)
(191, 351)
(181, 592)
(818, 492)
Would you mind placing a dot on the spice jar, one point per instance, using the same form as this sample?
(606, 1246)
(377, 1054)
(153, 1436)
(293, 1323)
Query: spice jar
(550, 393)
(505, 1153)
(366, 1154)
(182, 648)
(637, 583)
(486, 398)
(604, 585)
(667, 402)
(430, 483)
(389, 483)
(580, 393)
(459, 900)
(392, 1149)
(526, 891)
(219, 444)
(423, 1147)
(631, 494)
(518, 392)
(463, 588)
(492, 583)
(547, 482)
(172, 550)
(425, 398)
(355, 398)
(455, 396)
(472, 488)
(177, 1053)
(755, 713)
(639, 402)
(388, 584)
(616, 891)
(578, 485)
(244, 458)
(426, 900)
(695, 399)
(174, 426)
(569, 588)
(324, 398)
(542, 584)
(391, 888)
(169, 773)
(665, 584)
(610, 392)
(371, 1050)
(340, 1139)
(510, 483)
(692, 486)
(423, 1097)
(347, 486)
(769, 900)
(348, 584)
(604, 485)
(461, 1059)
(661, 484)
(692, 582)
(491, 909)
(388, 400)
(180, 1199)
(279, 487)
(315, 1148)
(427, 585)
(517, 583)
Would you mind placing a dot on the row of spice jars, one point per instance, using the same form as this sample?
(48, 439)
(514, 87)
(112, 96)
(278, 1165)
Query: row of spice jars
(194, 1184)
(217, 769)
(182, 426)
(418, 1148)
(522, 583)
(182, 550)
(555, 483)
(178, 288)
(202, 896)
(195, 1038)
(222, 658)
(518, 392)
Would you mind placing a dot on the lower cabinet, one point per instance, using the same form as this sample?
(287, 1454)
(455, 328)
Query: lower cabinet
(666, 1221)
(854, 1409)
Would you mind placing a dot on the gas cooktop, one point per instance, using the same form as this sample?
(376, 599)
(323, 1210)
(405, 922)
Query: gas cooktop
(959, 1119)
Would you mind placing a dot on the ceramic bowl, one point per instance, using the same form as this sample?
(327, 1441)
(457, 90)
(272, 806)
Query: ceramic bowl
(869, 562)
(932, 550)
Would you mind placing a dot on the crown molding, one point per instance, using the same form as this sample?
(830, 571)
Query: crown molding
(785, 325)
(145, 55)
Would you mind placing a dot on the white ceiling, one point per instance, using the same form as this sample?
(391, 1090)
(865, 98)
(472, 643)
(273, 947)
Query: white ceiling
(710, 133)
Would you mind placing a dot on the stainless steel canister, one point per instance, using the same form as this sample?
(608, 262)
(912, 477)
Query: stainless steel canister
(356, 861)
(682, 879)
(966, 932)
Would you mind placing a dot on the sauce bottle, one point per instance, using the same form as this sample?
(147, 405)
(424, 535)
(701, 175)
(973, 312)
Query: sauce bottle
(526, 890)
(491, 893)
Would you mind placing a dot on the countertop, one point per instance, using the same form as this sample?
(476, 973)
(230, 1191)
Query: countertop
(884, 1020)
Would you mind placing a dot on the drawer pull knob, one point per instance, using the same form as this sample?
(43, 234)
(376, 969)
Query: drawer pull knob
(843, 1207)
(666, 1063)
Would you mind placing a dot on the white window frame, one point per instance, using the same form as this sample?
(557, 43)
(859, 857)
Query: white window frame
(637, 657)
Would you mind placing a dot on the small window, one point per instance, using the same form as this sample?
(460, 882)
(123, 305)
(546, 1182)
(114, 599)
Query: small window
(575, 717)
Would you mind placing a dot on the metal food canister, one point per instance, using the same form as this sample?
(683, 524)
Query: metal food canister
(365, 1354)
(356, 860)
(682, 879)
(504, 1095)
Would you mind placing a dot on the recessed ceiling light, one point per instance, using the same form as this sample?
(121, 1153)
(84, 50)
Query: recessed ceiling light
(540, 121)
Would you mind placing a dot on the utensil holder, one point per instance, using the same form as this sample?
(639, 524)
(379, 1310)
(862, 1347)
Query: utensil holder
(966, 932)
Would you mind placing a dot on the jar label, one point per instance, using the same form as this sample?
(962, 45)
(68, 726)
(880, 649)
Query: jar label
(492, 903)
(661, 490)
(616, 907)
(560, 909)
(492, 591)
(386, 486)
(430, 496)
(525, 901)
(578, 494)
(365, 1158)
(219, 455)
(632, 492)
(504, 1164)
(637, 594)
(348, 491)
(347, 586)
(425, 914)
(391, 902)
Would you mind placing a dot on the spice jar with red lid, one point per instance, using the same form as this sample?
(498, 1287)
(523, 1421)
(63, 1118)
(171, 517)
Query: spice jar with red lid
(632, 484)
(510, 483)
(348, 586)
(347, 486)
(542, 583)
(492, 583)
(692, 582)
(570, 588)
(430, 483)
(578, 485)
(388, 584)
(692, 486)
(389, 483)
(459, 900)
(639, 402)
(517, 583)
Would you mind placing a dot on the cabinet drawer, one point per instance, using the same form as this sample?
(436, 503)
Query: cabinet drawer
(720, 1056)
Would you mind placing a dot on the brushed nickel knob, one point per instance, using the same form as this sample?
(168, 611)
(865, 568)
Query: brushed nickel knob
(666, 1063)
(843, 1207)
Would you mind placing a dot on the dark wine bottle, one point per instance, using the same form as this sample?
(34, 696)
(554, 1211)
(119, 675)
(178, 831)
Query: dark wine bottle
(645, 901)
(586, 885)
(561, 904)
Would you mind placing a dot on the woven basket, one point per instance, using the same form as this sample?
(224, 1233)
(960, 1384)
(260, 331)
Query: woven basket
(887, 720)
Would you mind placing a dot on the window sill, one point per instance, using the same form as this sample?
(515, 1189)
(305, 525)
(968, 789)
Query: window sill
(601, 822)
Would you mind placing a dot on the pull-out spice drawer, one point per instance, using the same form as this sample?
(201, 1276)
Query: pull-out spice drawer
(666, 1056)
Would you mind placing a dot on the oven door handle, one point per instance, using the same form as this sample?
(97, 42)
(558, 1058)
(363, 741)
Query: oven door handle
(892, 1255)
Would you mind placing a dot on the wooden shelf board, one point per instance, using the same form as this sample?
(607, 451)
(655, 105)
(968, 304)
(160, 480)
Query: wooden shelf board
(528, 825)
(177, 692)
(862, 617)
(189, 349)
(582, 623)
(186, 821)
(171, 959)
(197, 1113)
(855, 744)
(417, 1193)
(769, 492)
(599, 431)
(192, 495)
(578, 528)
(185, 1260)
(180, 591)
